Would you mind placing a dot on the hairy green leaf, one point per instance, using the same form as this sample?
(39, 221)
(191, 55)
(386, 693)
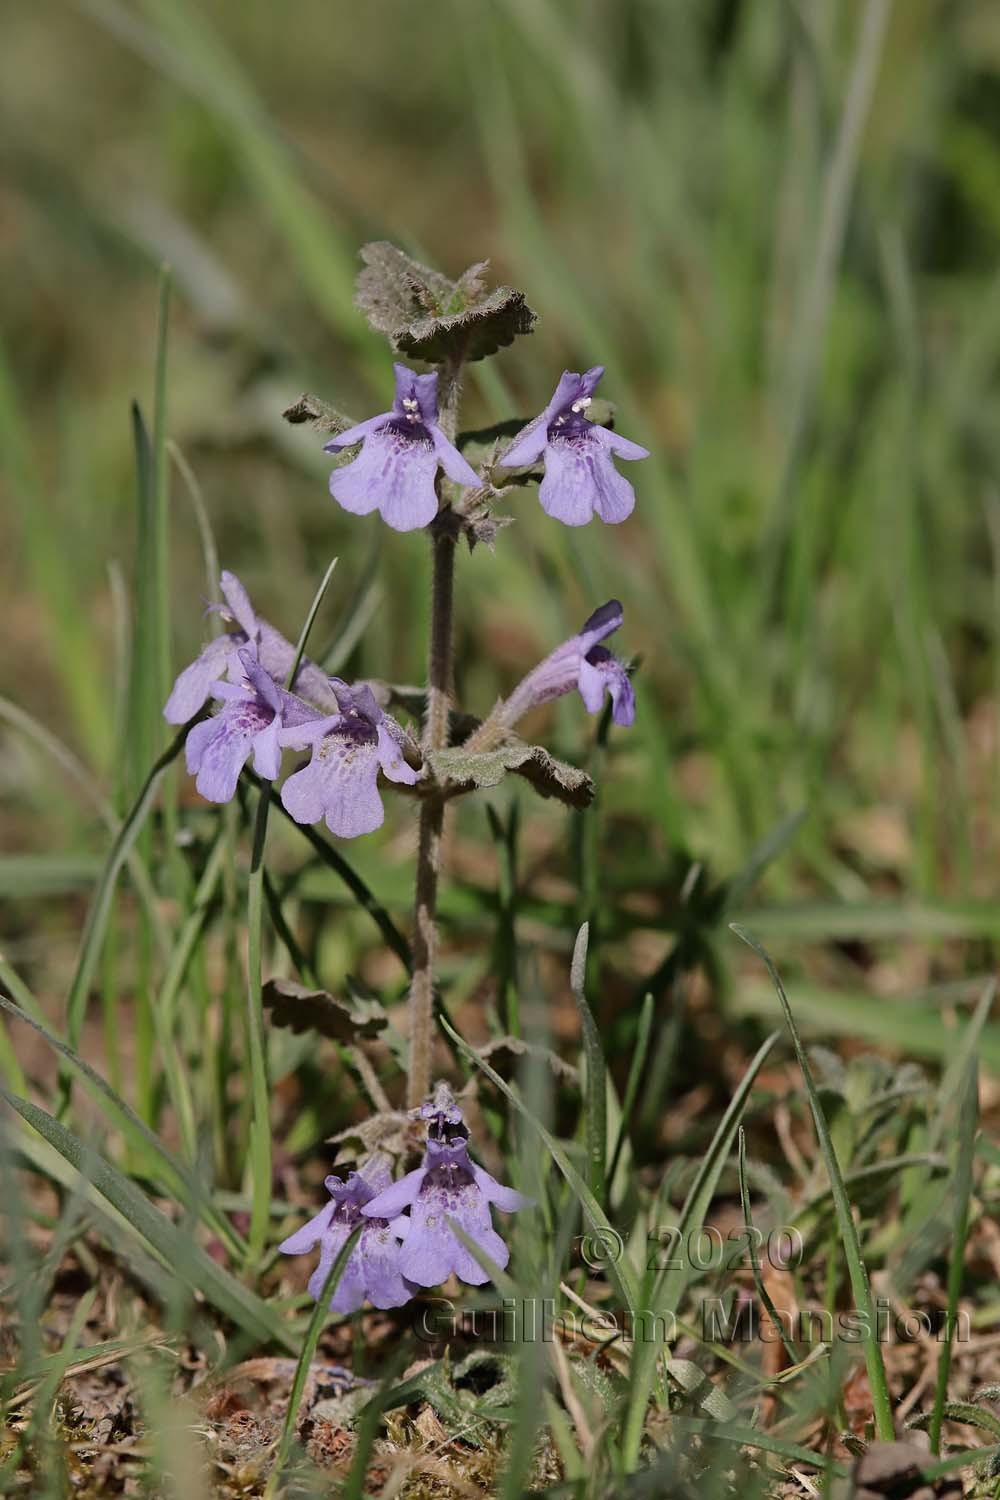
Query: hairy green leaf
(428, 317)
(474, 333)
(549, 777)
(318, 413)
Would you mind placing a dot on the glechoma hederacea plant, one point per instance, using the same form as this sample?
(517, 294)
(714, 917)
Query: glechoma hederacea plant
(407, 464)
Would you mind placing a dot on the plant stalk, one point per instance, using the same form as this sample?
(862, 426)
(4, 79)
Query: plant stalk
(435, 737)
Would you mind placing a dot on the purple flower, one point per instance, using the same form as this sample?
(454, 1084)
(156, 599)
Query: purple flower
(372, 1270)
(447, 1186)
(580, 476)
(340, 783)
(220, 658)
(395, 470)
(583, 664)
(252, 717)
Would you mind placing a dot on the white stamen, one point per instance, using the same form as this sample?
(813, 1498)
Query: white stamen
(581, 405)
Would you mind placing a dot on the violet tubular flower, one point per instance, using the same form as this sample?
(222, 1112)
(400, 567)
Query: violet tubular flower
(447, 1187)
(580, 663)
(250, 721)
(340, 783)
(580, 475)
(372, 1271)
(401, 450)
(220, 658)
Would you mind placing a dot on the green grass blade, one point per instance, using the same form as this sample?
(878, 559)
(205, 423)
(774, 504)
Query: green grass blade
(24, 997)
(964, 1162)
(669, 1286)
(758, 1280)
(161, 500)
(618, 1271)
(165, 1003)
(362, 893)
(97, 917)
(90, 1357)
(260, 1096)
(307, 625)
(202, 901)
(916, 1030)
(144, 728)
(319, 1316)
(531, 1376)
(192, 1266)
(47, 555)
(814, 313)
(956, 1072)
(766, 852)
(39, 1429)
(209, 548)
(877, 1379)
(391, 1394)
(644, 1031)
(43, 737)
(753, 1437)
(179, 41)
(968, 1458)
(175, 1178)
(595, 1105)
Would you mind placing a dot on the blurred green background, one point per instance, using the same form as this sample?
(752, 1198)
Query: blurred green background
(775, 223)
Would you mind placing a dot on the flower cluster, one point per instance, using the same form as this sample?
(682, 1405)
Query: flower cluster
(402, 449)
(396, 1255)
(394, 1238)
(350, 737)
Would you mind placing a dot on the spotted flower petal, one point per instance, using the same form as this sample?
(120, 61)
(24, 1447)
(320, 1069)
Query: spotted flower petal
(394, 474)
(580, 478)
(402, 449)
(340, 783)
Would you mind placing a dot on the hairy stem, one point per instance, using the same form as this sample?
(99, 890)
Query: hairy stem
(439, 675)
(421, 1005)
(435, 737)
